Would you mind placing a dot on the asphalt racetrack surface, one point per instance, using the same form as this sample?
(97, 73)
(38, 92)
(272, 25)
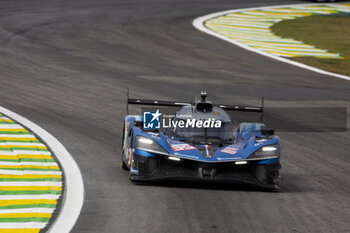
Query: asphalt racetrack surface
(66, 65)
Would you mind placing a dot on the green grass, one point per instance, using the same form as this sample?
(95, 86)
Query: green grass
(330, 32)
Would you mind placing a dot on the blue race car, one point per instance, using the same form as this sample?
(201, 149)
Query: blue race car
(199, 143)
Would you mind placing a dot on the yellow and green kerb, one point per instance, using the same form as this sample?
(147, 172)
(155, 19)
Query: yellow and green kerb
(30, 180)
(252, 28)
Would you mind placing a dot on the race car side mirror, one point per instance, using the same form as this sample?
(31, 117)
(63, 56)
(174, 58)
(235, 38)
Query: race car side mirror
(138, 124)
(267, 132)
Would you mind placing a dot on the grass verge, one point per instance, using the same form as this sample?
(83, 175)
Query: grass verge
(330, 32)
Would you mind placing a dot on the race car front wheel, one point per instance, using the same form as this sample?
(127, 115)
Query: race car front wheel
(123, 164)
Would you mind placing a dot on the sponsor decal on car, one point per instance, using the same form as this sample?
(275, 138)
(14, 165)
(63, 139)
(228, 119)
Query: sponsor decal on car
(130, 153)
(228, 158)
(230, 150)
(260, 142)
(186, 156)
(182, 147)
(206, 147)
(155, 137)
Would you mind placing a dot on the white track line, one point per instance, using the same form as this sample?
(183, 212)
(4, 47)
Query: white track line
(30, 152)
(10, 126)
(73, 198)
(27, 164)
(31, 183)
(21, 225)
(199, 24)
(29, 197)
(17, 136)
(28, 172)
(28, 210)
(13, 144)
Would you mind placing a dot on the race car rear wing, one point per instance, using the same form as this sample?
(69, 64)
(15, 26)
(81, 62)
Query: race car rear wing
(157, 103)
(181, 104)
(240, 108)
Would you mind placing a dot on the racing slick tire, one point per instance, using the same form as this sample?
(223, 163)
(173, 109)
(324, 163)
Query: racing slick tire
(132, 177)
(123, 164)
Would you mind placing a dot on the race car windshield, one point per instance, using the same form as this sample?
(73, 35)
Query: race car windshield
(223, 133)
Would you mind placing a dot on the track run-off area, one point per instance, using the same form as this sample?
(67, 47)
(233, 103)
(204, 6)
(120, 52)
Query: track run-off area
(250, 29)
(41, 187)
(30, 180)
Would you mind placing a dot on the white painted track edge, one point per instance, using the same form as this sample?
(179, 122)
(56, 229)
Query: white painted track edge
(73, 198)
(199, 24)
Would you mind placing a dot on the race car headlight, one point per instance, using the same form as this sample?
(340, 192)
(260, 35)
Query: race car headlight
(148, 144)
(269, 151)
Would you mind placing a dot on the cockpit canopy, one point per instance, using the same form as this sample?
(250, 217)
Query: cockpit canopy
(193, 123)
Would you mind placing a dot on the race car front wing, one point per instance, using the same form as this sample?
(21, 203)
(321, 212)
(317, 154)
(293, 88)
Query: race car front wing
(264, 174)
